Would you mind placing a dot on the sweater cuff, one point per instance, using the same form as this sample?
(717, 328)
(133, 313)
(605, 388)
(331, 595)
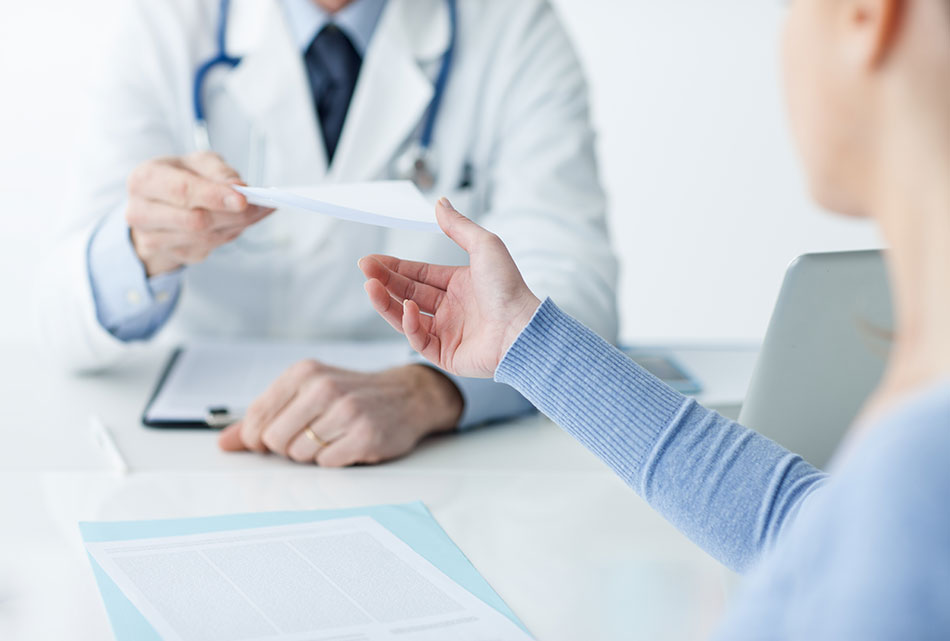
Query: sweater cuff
(595, 392)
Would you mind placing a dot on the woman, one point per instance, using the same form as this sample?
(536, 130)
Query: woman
(862, 553)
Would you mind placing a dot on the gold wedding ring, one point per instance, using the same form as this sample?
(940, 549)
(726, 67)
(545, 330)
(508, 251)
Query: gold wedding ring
(316, 439)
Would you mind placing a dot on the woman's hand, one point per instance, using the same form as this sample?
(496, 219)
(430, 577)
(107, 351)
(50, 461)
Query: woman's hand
(463, 319)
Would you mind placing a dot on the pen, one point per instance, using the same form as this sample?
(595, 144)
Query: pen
(103, 438)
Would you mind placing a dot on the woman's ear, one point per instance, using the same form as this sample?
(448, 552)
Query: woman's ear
(870, 29)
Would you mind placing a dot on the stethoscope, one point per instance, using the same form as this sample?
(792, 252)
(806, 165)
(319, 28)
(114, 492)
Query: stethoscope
(415, 165)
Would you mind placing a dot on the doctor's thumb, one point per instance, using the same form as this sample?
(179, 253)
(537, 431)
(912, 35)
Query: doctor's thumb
(230, 438)
(456, 226)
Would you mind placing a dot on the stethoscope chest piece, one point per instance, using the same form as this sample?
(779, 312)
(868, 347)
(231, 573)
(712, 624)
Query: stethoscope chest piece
(417, 165)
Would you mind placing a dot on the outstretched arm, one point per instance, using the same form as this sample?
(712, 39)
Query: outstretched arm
(729, 489)
(460, 318)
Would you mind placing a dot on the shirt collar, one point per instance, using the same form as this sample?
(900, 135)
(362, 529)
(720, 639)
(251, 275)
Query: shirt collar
(357, 19)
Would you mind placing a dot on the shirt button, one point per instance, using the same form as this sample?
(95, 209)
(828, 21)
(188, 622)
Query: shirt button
(133, 297)
(162, 297)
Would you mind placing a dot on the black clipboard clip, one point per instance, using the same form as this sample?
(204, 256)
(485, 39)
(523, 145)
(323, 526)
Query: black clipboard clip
(216, 417)
(219, 417)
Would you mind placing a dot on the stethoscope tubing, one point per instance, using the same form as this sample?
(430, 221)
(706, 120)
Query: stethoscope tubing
(221, 58)
(445, 70)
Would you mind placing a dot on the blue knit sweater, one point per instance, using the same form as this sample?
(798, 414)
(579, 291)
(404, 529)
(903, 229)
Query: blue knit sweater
(861, 554)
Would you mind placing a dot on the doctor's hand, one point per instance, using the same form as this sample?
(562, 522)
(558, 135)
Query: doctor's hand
(181, 209)
(334, 417)
(463, 319)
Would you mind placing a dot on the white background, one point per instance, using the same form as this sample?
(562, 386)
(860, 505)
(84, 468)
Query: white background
(707, 204)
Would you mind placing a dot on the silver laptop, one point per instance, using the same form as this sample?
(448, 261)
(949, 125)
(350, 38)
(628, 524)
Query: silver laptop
(823, 354)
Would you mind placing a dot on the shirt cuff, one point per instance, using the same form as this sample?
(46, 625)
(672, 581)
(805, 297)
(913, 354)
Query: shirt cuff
(485, 401)
(129, 305)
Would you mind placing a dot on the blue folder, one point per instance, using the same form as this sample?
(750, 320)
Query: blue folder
(411, 522)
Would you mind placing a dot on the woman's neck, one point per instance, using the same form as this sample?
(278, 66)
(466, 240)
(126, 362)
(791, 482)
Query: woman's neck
(913, 211)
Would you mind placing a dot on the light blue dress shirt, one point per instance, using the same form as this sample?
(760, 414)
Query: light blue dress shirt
(357, 20)
(129, 305)
(133, 307)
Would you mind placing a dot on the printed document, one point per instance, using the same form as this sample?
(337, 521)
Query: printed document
(346, 579)
(397, 204)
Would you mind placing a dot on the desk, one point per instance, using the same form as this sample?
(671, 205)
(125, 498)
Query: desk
(572, 550)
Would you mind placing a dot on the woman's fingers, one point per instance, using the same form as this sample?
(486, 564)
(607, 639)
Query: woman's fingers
(417, 328)
(437, 276)
(384, 304)
(402, 288)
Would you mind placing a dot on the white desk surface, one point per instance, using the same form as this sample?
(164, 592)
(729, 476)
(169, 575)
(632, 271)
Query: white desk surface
(573, 551)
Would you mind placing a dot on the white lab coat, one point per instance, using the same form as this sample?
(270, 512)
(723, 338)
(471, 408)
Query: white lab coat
(515, 109)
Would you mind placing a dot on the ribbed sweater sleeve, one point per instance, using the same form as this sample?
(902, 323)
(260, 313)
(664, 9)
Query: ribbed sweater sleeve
(729, 489)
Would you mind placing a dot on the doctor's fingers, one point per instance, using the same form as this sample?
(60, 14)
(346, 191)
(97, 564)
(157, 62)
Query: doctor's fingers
(144, 214)
(349, 449)
(176, 185)
(229, 439)
(278, 394)
(184, 247)
(210, 165)
(361, 440)
(325, 431)
(314, 398)
(437, 276)
(402, 288)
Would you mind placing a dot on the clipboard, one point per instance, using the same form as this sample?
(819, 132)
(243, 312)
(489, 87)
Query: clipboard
(209, 384)
(159, 384)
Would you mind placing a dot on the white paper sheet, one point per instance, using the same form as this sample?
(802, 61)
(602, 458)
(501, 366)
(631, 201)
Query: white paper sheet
(233, 374)
(397, 204)
(342, 580)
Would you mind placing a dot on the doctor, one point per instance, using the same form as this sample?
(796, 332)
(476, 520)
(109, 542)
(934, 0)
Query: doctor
(482, 101)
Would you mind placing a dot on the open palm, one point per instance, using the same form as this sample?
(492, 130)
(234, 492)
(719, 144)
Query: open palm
(462, 319)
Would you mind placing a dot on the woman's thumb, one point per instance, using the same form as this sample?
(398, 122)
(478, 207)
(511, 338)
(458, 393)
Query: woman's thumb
(456, 226)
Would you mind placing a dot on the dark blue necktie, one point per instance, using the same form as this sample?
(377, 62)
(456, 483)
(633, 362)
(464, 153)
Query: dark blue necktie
(333, 66)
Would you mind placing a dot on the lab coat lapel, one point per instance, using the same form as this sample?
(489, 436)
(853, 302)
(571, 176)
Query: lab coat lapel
(393, 90)
(271, 86)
